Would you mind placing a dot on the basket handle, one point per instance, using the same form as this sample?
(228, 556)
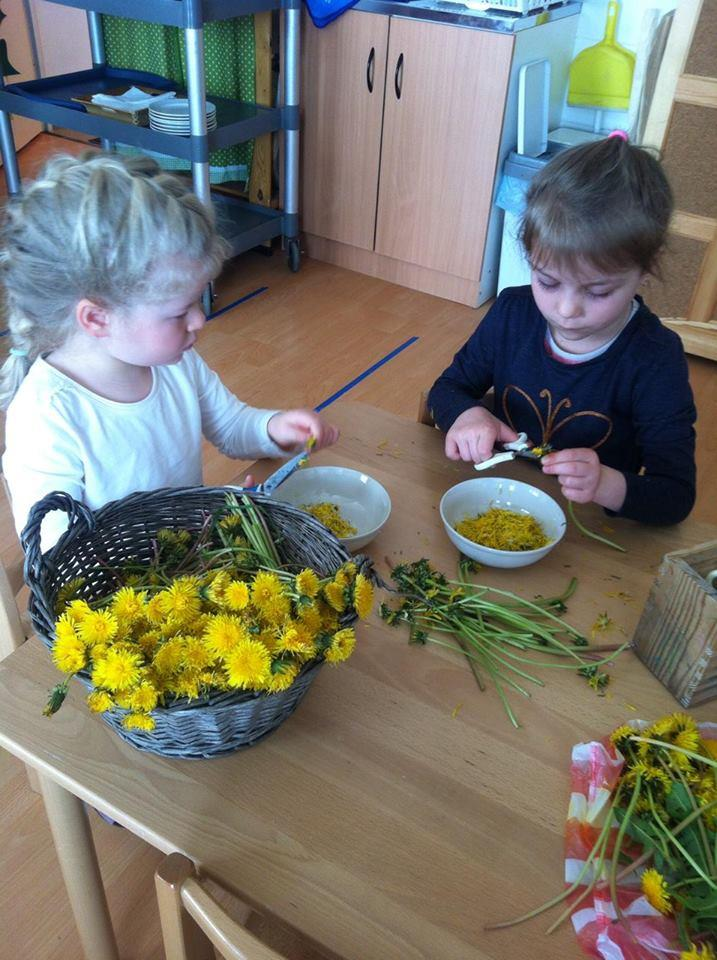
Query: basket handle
(78, 514)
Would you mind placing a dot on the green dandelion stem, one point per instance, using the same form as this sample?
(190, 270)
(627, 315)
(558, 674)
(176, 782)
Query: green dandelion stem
(601, 840)
(597, 870)
(618, 846)
(589, 533)
(670, 836)
(671, 746)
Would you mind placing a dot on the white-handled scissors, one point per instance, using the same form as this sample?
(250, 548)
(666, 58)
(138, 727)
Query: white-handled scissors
(516, 448)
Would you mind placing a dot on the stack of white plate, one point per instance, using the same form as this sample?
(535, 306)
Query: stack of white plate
(172, 116)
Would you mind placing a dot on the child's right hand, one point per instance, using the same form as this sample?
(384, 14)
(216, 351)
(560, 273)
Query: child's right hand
(474, 435)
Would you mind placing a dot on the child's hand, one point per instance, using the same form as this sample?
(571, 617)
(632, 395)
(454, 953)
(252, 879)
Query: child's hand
(474, 435)
(584, 479)
(292, 429)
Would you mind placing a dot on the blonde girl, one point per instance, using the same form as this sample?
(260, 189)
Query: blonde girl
(104, 261)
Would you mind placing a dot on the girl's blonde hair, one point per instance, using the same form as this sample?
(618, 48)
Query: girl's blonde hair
(117, 231)
(607, 203)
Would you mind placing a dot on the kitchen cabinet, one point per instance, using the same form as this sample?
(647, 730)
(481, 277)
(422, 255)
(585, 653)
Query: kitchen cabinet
(402, 122)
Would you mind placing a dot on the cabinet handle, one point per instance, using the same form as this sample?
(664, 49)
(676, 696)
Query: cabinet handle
(398, 77)
(370, 69)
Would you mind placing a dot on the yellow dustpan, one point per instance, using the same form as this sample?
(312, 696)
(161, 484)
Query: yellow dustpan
(601, 75)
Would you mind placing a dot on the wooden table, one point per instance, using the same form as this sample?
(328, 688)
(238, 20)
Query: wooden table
(397, 812)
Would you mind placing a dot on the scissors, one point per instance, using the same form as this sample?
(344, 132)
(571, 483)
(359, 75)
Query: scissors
(285, 471)
(516, 448)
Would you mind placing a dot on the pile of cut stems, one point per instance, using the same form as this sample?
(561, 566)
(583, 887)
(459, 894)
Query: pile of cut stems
(502, 635)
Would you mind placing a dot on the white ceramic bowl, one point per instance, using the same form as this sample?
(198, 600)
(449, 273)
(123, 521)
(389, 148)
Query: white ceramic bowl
(363, 502)
(473, 497)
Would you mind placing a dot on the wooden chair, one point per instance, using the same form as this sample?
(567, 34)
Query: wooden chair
(424, 413)
(15, 625)
(193, 921)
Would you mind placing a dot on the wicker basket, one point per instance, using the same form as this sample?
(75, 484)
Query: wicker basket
(97, 541)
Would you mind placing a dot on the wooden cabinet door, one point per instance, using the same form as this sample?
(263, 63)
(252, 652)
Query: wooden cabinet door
(344, 67)
(445, 96)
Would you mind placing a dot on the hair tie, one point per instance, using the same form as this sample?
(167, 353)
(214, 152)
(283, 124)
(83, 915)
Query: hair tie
(622, 134)
(17, 352)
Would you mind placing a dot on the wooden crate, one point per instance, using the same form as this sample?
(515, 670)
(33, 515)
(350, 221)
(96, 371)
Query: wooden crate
(677, 633)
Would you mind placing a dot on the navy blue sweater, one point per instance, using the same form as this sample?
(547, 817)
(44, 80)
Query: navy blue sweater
(633, 404)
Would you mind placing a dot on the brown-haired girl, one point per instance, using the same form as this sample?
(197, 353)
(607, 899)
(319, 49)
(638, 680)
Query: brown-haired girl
(577, 360)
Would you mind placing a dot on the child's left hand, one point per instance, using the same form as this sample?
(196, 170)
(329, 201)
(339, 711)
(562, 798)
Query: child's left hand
(292, 429)
(584, 479)
(578, 472)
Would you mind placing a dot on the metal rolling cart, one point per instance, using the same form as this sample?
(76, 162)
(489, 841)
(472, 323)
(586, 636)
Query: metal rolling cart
(49, 100)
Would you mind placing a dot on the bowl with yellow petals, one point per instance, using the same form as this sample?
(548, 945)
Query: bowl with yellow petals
(501, 522)
(350, 503)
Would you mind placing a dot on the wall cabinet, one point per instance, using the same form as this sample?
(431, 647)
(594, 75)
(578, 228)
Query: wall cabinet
(402, 122)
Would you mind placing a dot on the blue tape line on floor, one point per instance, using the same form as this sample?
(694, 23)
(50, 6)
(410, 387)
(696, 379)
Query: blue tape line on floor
(254, 293)
(366, 373)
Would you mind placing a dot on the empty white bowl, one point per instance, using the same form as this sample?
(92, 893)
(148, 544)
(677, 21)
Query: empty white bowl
(473, 497)
(363, 502)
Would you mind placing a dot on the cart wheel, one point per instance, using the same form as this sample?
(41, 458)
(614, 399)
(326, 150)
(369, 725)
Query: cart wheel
(294, 256)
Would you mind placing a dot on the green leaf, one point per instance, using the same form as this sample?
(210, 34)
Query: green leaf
(678, 802)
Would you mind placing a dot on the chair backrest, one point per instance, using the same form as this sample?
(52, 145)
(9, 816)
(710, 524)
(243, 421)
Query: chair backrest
(193, 921)
(13, 629)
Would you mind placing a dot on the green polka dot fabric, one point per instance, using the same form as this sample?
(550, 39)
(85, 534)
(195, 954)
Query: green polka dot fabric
(229, 63)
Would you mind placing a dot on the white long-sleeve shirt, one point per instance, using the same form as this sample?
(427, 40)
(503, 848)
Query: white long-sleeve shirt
(62, 436)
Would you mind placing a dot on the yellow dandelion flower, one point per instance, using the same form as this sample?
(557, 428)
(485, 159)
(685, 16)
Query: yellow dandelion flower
(118, 671)
(144, 698)
(342, 577)
(622, 734)
(270, 638)
(98, 651)
(687, 740)
(187, 684)
(153, 609)
(138, 721)
(307, 583)
(65, 628)
(218, 584)
(236, 595)
(710, 748)
(342, 646)
(248, 666)
(213, 678)
(295, 638)
(77, 610)
(181, 600)
(149, 641)
(268, 596)
(335, 595)
(698, 951)
(660, 729)
(655, 889)
(195, 654)
(282, 679)
(168, 657)
(222, 633)
(67, 592)
(311, 618)
(128, 605)
(99, 701)
(363, 596)
(123, 700)
(232, 521)
(69, 653)
(98, 626)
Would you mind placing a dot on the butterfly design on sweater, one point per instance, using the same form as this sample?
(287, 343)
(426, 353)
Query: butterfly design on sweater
(550, 424)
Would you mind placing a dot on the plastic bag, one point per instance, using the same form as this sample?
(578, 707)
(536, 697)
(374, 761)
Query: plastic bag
(595, 770)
